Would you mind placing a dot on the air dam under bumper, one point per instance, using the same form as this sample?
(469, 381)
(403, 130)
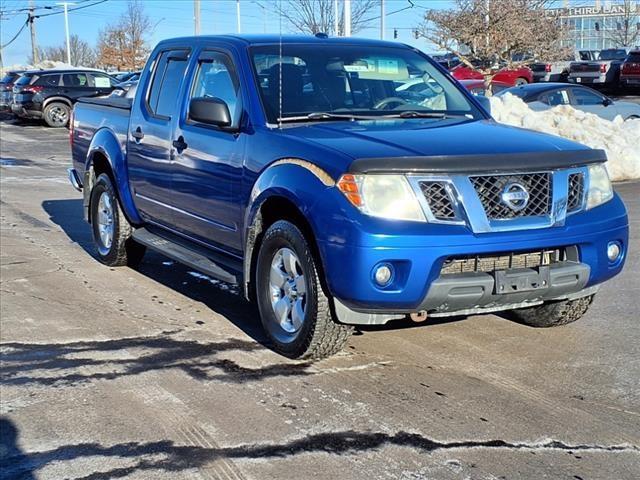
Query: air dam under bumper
(479, 292)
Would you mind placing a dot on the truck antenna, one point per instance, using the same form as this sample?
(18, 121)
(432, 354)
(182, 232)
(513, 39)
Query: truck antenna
(280, 67)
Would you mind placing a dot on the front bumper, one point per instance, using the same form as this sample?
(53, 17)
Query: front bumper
(418, 251)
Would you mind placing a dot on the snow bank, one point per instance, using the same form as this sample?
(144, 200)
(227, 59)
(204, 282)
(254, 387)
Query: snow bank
(44, 65)
(620, 139)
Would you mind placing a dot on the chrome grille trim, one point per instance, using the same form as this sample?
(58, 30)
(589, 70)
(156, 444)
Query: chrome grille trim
(470, 211)
(490, 188)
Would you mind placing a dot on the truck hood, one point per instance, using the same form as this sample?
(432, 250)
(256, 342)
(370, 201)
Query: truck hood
(431, 142)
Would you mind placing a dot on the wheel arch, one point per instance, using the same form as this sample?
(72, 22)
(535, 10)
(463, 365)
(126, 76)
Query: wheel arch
(105, 155)
(58, 99)
(286, 190)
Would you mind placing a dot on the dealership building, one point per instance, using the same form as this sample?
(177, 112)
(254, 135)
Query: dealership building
(594, 26)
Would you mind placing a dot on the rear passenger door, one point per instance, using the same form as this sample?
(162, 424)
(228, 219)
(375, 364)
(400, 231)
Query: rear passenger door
(207, 172)
(150, 134)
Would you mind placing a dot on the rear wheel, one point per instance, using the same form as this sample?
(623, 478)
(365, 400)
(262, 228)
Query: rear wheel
(294, 309)
(57, 114)
(554, 313)
(111, 230)
(521, 81)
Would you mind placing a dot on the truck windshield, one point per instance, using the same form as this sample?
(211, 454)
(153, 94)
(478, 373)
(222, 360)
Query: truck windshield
(334, 82)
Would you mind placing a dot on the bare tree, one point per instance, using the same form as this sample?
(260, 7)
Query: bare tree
(81, 53)
(318, 16)
(626, 32)
(491, 34)
(123, 45)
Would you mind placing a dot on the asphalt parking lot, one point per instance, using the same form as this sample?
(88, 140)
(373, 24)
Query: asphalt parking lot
(159, 372)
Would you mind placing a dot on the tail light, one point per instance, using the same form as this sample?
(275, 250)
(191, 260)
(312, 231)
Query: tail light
(547, 67)
(603, 68)
(32, 89)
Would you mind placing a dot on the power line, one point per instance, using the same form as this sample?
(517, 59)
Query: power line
(24, 25)
(69, 10)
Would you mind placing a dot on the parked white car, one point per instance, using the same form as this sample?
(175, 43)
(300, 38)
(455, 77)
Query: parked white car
(543, 96)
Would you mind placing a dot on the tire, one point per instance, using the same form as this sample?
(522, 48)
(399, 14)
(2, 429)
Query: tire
(520, 81)
(57, 114)
(111, 229)
(286, 267)
(554, 314)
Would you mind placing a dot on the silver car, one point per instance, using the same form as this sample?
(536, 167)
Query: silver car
(543, 96)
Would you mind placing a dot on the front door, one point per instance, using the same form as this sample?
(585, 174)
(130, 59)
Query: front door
(150, 137)
(208, 160)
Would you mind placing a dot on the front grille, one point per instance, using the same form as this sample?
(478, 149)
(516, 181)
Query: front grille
(438, 199)
(502, 261)
(491, 187)
(576, 192)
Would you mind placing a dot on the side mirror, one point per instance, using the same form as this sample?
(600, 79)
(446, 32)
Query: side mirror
(607, 101)
(210, 110)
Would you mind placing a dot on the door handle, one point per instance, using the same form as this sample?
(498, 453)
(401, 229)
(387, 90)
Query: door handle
(179, 144)
(137, 134)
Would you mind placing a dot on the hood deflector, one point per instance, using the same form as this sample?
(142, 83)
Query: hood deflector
(482, 163)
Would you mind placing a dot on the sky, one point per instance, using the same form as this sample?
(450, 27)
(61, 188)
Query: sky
(173, 18)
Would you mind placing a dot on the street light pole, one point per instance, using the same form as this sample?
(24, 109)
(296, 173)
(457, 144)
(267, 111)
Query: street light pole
(196, 17)
(66, 28)
(238, 15)
(347, 18)
(382, 26)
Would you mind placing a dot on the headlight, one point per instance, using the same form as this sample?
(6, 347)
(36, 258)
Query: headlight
(600, 190)
(386, 196)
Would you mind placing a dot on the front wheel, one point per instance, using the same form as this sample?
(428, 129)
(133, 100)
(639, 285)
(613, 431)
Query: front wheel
(111, 230)
(554, 313)
(57, 114)
(294, 309)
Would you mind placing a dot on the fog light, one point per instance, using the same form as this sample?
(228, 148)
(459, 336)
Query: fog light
(383, 275)
(613, 251)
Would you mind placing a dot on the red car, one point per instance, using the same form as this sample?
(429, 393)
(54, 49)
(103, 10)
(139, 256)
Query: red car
(630, 70)
(517, 76)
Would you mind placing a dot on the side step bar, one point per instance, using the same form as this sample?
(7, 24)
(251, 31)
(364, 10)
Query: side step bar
(193, 256)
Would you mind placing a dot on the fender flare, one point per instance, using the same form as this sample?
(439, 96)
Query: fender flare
(300, 182)
(59, 99)
(105, 143)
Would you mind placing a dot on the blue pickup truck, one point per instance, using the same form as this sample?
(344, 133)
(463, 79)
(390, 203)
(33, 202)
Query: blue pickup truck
(343, 182)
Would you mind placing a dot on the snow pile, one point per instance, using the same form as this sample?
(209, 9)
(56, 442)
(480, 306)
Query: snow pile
(620, 139)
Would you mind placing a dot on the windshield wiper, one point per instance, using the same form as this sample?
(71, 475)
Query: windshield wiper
(416, 114)
(317, 116)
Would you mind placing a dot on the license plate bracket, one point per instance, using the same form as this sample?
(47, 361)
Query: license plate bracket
(522, 280)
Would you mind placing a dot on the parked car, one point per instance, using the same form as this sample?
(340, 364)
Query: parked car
(477, 87)
(516, 76)
(6, 89)
(604, 72)
(50, 94)
(630, 70)
(127, 76)
(559, 71)
(290, 167)
(549, 95)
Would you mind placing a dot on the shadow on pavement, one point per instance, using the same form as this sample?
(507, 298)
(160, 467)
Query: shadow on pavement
(177, 458)
(11, 454)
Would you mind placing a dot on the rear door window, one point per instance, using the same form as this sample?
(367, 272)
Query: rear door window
(47, 81)
(101, 81)
(167, 77)
(555, 97)
(80, 80)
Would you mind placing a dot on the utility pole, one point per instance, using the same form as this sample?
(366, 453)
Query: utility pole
(347, 18)
(32, 27)
(238, 15)
(336, 19)
(382, 26)
(66, 28)
(196, 17)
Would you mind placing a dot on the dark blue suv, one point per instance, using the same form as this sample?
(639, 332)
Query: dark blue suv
(343, 182)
